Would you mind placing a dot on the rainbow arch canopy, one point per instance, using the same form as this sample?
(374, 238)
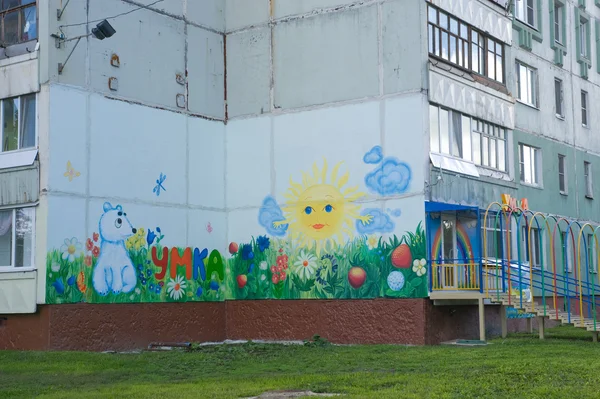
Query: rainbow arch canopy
(463, 242)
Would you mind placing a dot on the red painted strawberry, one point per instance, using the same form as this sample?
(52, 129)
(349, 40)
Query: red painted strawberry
(242, 279)
(401, 257)
(357, 277)
(233, 248)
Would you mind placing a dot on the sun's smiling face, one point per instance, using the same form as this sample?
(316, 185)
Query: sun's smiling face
(320, 212)
(321, 208)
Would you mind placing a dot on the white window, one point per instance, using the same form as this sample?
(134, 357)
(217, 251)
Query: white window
(17, 227)
(558, 98)
(587, 174)
(468, 138)
(18, 121)
(592, 265)
(558, 26)
(494, 236)
(583, 38)
(584, 109)
(526, 84)
(18, 21)
(536, 246)
(525, 11)
(562, 175)
(530, 164)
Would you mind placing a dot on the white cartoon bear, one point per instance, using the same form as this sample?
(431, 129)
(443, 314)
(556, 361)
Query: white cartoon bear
(114, 270)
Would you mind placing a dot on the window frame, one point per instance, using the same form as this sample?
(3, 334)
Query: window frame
(481, 45)
(559, 10)
(537, 245)
(588, 177)
(592, 253)
(536, 167)
(585, 109)
(567, 251)
(562, 176)
(19, 8)
(12, 267)
(19, 125)
(559, 99)
(532, 76)
(524, 8)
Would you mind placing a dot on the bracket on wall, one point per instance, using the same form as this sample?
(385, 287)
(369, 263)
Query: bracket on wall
(60, 11)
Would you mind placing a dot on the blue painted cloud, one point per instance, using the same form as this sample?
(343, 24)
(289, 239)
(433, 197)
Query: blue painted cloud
(391, 177)
(381, 222)
(269, 213)
(395, 212)
(374, 156)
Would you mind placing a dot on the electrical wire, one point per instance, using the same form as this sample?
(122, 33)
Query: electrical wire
(114, 16)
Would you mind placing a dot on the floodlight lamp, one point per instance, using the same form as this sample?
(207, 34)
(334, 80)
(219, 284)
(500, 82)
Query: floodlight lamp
(103, 30)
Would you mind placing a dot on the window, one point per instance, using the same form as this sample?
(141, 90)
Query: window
(584, 109)
(17, 227)
(526, 84)
(18, 122)
(529, 164)
(562, 175)
(493, 235)
(583, 38)
(558, 98)
(462, 45)
(536, 246)
(591, 253)
(525, 11)
(567, 251)
(468, 138)
(587, 174)
(558, 18)
(18, 21)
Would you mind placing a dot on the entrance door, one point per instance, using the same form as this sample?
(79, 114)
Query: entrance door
(449, 252)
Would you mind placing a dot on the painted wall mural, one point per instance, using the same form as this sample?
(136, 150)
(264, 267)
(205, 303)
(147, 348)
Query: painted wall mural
(327, 239)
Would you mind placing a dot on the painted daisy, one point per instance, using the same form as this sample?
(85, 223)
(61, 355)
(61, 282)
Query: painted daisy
(71, 249)
(419, 267)
(176, 288)
(306, 265)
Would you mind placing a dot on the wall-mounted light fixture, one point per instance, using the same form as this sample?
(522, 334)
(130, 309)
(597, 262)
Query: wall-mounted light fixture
(103, 30)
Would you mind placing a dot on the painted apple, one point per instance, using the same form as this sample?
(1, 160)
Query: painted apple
(242, 279)
(357, 277)
(401, 257)
(233, 248)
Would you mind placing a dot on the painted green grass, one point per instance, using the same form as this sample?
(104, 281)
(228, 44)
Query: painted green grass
(520, 366)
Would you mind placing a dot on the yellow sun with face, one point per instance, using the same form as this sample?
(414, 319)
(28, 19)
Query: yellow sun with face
(320, 208)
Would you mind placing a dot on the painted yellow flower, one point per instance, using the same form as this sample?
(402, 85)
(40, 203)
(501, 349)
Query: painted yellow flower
(372, 242)
(137, 241)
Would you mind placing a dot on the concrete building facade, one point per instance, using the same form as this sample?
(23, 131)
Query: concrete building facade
(281, 166)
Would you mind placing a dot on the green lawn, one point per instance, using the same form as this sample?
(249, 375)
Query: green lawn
(566, 365)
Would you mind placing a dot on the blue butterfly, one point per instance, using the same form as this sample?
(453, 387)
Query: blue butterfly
(159, 184)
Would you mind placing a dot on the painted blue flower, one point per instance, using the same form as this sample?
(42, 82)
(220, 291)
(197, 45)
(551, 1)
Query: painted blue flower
(247, 252)
(251, 268)
(140, 267)
(214, 285)
(141, 276)
(263, 243)
(150, 237)
(148, 272)
(158, 230)
(151, 287)
(199, 292)
(382, 258)
(59, 286)
(147, 262)
(143, 281)
(71, 280)
(158, 288)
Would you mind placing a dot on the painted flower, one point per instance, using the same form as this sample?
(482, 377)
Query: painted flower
(150, 237)
(263, 243)
(148, 272)
(89, 244)
(372, 242)
(247, 252)
(71, 280)
(96, 252)
(95, 237)
(282, 262)
(273, 269)
(55, 267)
(157, 289)
(88, 261)
(263, 277)
(327, 262)
(176, 288)
(151, 287)
(161, 284)
(263, 265)
(81, 282)
(138, 291)
(419, 267)
(275, 279)
(137, 241)
(306, 265)
(71, 249)
(251, 268)
(140, 267)
(199, 292)
(214, 285)
(59, 286)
